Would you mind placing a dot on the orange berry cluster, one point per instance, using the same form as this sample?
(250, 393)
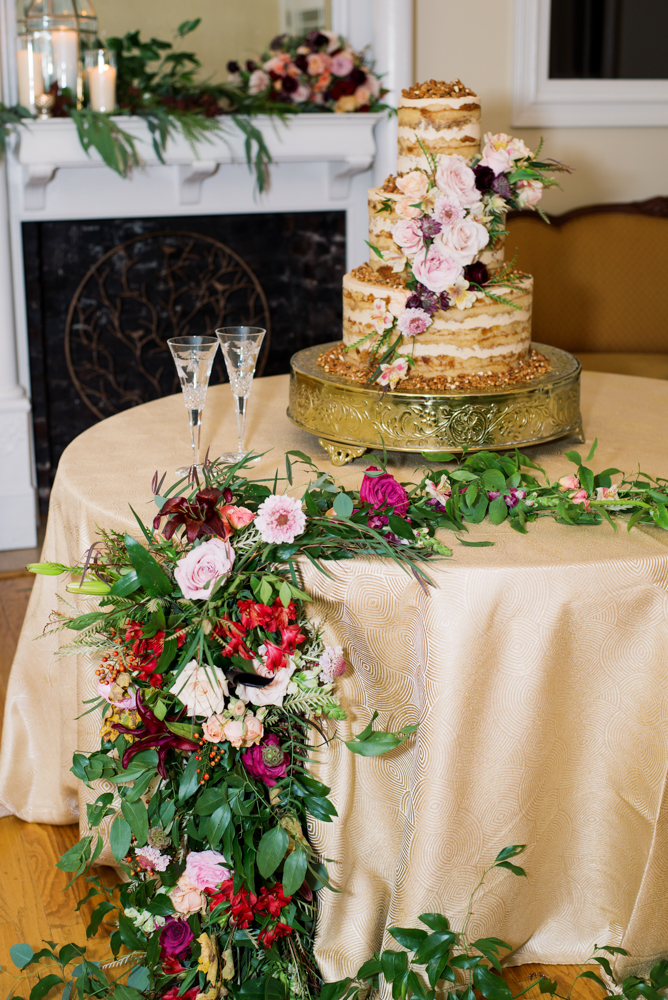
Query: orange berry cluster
(117, 662)
(213, 756)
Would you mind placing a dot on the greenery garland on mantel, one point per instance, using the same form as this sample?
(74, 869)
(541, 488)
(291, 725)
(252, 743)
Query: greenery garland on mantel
(157, 83)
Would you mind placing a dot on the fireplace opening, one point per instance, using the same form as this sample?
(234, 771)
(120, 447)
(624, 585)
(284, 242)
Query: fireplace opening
(103, 296)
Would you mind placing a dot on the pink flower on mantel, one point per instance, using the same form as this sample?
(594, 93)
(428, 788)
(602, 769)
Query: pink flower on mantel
(390, 375)
(317, 63)
(342, 64)
(259, 81)
(280, 518)
(413, 322)
(436, 268)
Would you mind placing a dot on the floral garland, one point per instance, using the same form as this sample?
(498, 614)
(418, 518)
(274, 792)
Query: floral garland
(213, 682)
(450, 213)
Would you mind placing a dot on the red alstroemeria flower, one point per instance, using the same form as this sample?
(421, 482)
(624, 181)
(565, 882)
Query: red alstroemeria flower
(272, 900)
(242, 903)
(199, 516)
(173, 994)
(256, 615)
(274, 657)
(154, 733)
(171, 966)
(267, 937)
(147, 651)
(236, 633)
(291, 637)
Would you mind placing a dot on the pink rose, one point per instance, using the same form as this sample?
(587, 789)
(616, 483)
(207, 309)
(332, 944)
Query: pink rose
(317, 63)
(408, 235)
(397, 301)
(456, 180)
(233, 731)
(529, 193)
(498, 159)
(213, 729)
(465, 238)
(362, 96)
(414, 184)
(301, 94)
(413, 322)
(272, 694)
(436, 269)
(406, 210)
(198, 571)
(277, 64)
(581, 497)
(254, 730)
(384, 491)
(569, 483)
(342, 64)
(186, 897)
(236, 517)
(205, 869)
(259, 81)
(372, 83)
(446, 211)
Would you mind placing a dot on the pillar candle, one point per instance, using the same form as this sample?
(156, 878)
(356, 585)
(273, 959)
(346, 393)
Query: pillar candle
(65, 47)
(102, 87)
(31, 78)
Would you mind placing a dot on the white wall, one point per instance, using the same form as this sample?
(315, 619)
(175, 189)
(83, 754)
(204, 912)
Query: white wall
(473, 40)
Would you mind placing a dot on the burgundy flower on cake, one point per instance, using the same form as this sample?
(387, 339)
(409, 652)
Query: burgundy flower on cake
(384, 491)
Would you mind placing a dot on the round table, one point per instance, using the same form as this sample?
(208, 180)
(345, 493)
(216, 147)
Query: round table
(536, 669)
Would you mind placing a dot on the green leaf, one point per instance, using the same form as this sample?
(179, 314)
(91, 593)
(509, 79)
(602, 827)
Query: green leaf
(592, 450)
(401, 527)
(493, 479)
(546, 985)
(586, 479)
(271, 851)
(574, 456)
(69, 952)
(208, 801)
(435, 921)
(189, 779)
(436, 944)
(264, 988)
(473, 545)
(285, 594)
(128, 934)
(137, 816)
(438, 456)
(97, 916)
(492, 987)
(76, 858)
(127, 993)
(266, 591)
(498, 510)
(294, 871)
(334, 991)
(152, 578)
(465, 961)
(438, 968)
(515, 869)
(591, 975)
(44, 986)
(393, 963)
(126, 585)
(21, 954)
(217, 824)
(343, 505)
(408, 937)
(120, 838)
(510, 852)
(139, 978)
(659, 974)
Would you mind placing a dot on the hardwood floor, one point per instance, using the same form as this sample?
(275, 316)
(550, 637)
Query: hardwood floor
(34, 904)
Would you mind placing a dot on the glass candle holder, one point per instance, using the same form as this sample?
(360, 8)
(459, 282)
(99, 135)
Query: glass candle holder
(61, 31)
(101, 79)
(29, 72)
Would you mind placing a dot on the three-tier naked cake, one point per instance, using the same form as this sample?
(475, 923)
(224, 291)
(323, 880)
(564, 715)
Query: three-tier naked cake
(436, 305)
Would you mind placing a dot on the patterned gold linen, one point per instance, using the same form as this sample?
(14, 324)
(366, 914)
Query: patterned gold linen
(537, 670)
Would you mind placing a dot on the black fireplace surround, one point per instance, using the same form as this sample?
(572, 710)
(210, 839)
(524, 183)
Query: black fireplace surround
(298, 259)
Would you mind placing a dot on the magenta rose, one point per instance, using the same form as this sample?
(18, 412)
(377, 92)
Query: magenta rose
(266, 761)
(176, 936)
(384, 491)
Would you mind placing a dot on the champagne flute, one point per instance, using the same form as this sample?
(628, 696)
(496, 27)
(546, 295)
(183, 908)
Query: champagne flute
(193, 357)
(241, 346)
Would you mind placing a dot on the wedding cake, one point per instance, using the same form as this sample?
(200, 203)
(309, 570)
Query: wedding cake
(436, 303)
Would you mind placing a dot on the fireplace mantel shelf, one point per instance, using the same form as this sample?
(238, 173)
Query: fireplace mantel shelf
(345, 142)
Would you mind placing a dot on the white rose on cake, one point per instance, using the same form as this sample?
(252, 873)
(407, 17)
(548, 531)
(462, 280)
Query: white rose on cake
(456, 180)
(465, 238)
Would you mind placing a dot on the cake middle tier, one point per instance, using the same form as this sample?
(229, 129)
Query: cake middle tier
(488, 336)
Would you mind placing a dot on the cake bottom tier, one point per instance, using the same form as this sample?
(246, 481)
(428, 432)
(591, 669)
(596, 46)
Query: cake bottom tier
(489, 336)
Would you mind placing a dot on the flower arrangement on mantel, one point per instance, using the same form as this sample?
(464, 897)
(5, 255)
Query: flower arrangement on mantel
(157, 83)
(215, 687)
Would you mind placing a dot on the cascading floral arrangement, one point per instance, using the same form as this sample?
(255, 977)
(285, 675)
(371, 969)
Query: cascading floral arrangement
(214, 683)
(316, 71)
(450, 214)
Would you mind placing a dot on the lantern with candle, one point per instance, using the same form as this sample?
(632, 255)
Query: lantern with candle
(101, 79)
(59, 32)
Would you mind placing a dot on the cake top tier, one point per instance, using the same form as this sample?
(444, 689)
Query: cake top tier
(437, 88)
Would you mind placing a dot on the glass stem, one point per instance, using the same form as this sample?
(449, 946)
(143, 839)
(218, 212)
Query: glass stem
(241, 421)
(195, 417)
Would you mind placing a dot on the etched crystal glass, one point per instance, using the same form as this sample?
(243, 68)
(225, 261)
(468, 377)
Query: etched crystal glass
(193, 357)
(241, 347)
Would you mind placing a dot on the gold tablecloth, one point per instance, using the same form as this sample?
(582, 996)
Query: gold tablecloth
(537, 670)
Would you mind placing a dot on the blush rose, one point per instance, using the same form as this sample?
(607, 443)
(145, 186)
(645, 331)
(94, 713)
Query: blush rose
(456, 180)
(413, 184)
(436, 268)
(196, 572)
(407, 234)
(205, 869)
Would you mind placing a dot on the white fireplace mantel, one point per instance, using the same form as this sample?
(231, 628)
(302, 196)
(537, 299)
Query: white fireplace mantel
(320, 162)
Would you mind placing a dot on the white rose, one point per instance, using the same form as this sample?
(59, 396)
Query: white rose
(456, 180)
(201, 688)
(465, 237)
(272, 694)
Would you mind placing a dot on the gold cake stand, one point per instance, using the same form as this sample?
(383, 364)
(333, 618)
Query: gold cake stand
(348, 418)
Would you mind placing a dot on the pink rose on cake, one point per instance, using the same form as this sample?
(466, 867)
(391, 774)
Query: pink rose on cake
(437, 268)
(397, 301)
(408, 235)
(465, 238)
(413, 322)
(456, 180)
(447, 210)
(529, 193)
(414, 184)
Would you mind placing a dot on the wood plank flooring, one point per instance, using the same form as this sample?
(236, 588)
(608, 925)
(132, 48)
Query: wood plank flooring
(34, 904)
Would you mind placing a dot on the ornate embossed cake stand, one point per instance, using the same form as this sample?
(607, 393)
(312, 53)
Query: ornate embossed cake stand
(348, 418)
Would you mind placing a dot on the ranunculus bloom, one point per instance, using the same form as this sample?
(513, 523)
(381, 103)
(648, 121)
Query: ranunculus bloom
(271, 694)
(206, 869)
(569, 483)
(280, 518)
(317, 63)
(391, 375)
(202, 689)
(413, 184)
(465, 238)
(407, 233)
(332, 664)
(341, 64)
(529, 193)
(186, 897)
(175, 937)
(203, 565)
(436, 268)
(413, 322)
(456, 180)
(384, 491)
(406, 210)
(266, 761)
(259, 81)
